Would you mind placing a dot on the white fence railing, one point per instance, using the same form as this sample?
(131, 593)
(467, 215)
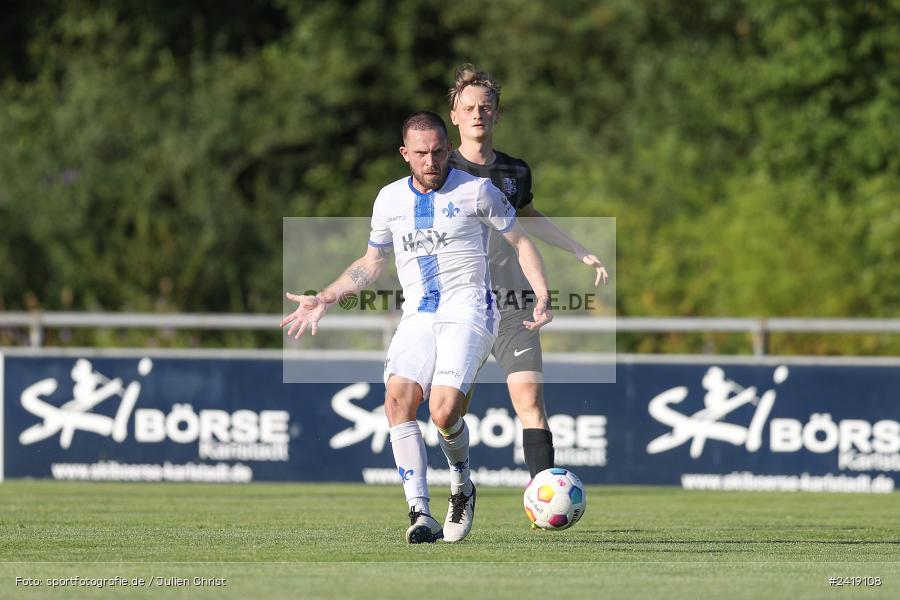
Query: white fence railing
(758, 329)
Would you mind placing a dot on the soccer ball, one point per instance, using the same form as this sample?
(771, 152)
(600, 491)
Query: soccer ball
(555, 499)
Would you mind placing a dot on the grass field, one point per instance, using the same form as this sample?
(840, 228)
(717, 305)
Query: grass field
(346, 541)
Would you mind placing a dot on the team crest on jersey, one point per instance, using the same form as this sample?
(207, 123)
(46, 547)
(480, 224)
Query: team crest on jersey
(450, 211)
(509, 186)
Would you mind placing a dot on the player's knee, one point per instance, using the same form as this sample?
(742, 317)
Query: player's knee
(528, 400)
(397, 410)
(444, 411)
(400, 404)
(443, 417)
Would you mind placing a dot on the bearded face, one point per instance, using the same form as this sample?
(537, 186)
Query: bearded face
(427, 152)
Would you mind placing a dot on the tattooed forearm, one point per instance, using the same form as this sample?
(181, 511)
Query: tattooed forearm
(359, 276)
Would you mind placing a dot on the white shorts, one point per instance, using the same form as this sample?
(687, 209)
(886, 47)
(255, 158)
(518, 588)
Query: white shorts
(430, 351)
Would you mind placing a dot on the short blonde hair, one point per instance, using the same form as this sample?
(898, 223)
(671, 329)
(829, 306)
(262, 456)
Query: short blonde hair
(467, 75)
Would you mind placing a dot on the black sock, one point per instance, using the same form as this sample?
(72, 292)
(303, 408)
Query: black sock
(538, 447)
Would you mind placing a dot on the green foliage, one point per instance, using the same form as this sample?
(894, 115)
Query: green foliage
(745, 148)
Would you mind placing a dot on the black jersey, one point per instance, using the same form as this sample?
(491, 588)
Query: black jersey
(513, 177)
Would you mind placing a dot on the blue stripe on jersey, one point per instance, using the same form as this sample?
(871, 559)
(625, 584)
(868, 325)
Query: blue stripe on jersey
(424, 210)
(489, 295)
(384, 245)
(428, 264)
(431, 299)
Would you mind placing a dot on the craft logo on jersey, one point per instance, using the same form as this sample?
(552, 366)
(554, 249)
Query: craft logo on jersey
(509, 186)
(426, 240)
(450, 211)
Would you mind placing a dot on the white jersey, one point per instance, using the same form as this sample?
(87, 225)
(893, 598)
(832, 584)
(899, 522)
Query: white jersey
(440, 241)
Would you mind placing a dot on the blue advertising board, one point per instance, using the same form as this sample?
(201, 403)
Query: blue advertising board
(706, 422)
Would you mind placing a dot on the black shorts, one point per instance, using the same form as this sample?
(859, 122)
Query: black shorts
(518, 349)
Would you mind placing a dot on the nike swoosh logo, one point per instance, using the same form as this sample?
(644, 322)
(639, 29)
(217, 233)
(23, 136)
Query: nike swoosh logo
(518, 352)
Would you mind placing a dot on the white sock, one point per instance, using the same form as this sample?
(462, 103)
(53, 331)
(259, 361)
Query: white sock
(412, 464)
(457, 452)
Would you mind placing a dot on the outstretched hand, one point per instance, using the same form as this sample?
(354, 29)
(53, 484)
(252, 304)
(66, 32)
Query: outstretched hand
(309, 310)
(592, 261)
(542, 314)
